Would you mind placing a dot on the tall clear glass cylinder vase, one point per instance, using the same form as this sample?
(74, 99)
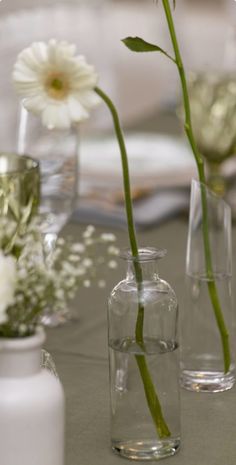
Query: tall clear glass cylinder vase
(207, 318)
(144, 365)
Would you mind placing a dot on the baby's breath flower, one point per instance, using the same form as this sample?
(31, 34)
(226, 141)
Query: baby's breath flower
(22, 273)
(40, 285)
(73, 258)
(77, 247)
(67, 267)
(112, 250)
(60, 241)
(112, 264)
(19, 298)
(60, 294)
(108, 237)
(70, 282)
(88, 241)
(87, 262)
(90, 229)
(80, 271)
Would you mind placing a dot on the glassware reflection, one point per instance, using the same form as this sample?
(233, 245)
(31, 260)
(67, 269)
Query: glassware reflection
(19, 193)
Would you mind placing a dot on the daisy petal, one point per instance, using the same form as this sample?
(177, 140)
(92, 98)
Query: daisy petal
(56, 117)
(77, 111)
(89, 99)
(36, 104)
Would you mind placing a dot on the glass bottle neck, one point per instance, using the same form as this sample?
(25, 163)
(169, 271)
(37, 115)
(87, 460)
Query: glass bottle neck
(149, 270)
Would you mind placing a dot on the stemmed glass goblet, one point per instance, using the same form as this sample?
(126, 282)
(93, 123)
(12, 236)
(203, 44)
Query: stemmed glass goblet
(57, 153)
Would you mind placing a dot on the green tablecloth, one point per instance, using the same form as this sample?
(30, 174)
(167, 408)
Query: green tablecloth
(80, 352)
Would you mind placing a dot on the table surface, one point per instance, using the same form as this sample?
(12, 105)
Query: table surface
(79, 349)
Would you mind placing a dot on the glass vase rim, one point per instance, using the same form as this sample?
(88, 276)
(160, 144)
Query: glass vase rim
(145, 254)
(30, 163)
(196, 182)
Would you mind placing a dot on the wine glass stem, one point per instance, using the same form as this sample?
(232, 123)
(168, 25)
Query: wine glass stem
(215, 179)
(49, 247)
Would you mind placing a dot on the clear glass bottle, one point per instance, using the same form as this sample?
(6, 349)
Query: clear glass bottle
(144, 369)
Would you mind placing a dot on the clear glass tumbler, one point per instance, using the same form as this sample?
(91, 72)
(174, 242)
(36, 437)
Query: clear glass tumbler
(144, 364)
(207, 318)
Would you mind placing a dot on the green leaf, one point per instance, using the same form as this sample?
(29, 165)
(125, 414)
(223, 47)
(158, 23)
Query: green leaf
(136, 44)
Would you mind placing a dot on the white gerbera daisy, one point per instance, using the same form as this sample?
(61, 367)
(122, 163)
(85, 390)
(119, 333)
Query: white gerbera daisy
(55, 83)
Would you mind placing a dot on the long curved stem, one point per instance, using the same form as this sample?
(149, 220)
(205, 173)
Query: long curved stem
(149, 389)
(128, 207)
(213, 292)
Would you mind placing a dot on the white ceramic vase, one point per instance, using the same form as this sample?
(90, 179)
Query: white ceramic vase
(31, 405)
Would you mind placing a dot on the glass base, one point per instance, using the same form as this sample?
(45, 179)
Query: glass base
(146, 450)
(206, 381)
(52, 320)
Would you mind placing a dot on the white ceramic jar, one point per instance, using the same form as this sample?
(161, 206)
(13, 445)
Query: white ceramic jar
(31, 405)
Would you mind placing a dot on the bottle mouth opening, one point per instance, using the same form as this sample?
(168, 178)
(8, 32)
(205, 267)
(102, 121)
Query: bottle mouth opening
(145, 254)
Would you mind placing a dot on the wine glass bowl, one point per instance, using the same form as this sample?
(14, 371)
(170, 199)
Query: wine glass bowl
(19, 187)
(57, 153)
(213, 109)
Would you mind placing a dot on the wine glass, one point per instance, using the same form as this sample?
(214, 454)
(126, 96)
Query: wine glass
(57, 153)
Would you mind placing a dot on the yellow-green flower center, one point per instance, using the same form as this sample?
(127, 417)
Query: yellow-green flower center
(57, 85)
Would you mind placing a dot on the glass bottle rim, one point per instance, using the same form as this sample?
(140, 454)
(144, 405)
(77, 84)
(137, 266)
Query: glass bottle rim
(12, 163)
(146, 254)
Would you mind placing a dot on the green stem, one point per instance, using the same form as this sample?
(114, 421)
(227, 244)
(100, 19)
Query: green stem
(149, 389)
(125, 168)
(152, 399)
(200, 166)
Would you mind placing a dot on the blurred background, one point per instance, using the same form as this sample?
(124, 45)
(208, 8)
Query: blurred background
(145, 87)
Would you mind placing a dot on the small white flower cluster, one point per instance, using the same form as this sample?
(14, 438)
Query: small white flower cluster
(79, 263)
(32, 284)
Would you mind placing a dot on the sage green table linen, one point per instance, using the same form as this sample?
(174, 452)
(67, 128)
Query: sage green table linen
(80, 352)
